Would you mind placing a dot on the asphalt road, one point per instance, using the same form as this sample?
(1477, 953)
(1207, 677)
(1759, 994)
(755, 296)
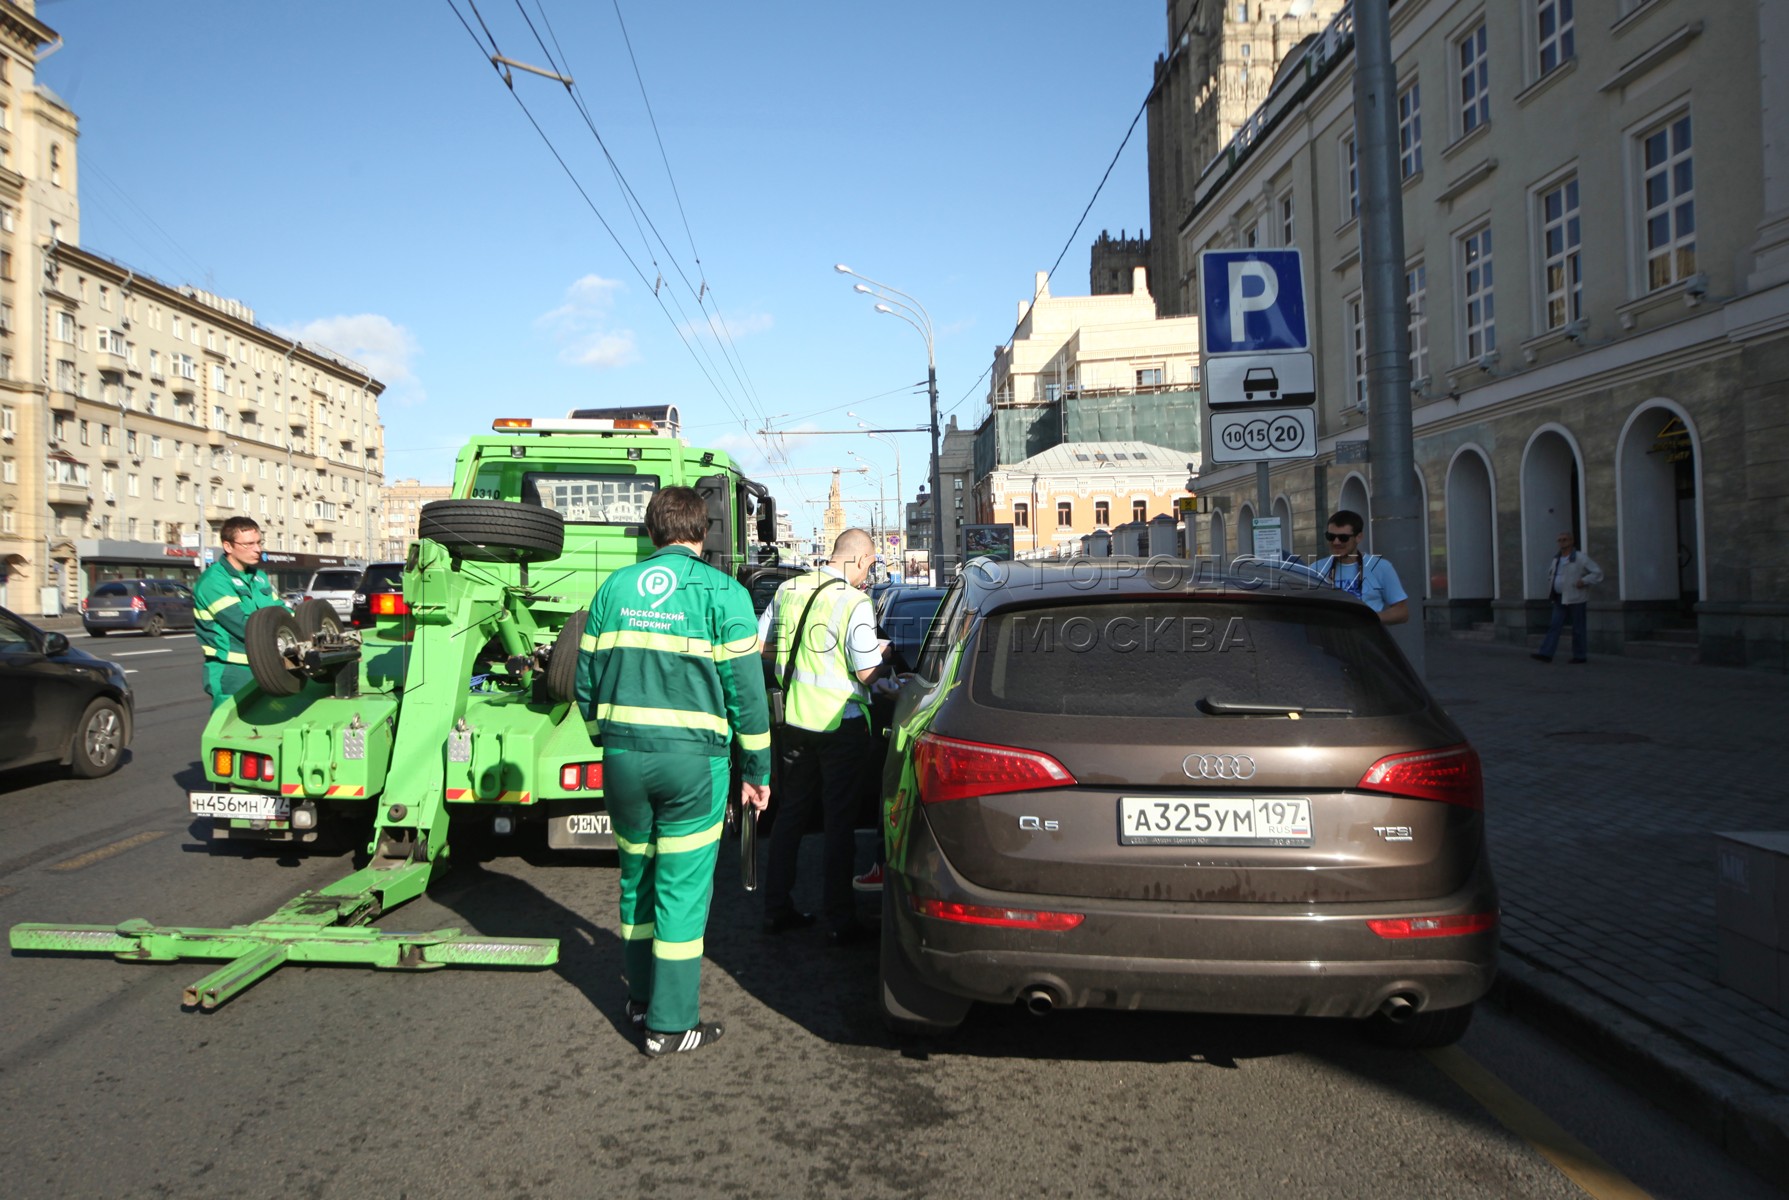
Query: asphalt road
(345, 1082)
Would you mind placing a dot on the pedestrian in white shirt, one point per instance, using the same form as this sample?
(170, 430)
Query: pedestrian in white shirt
(1571, 572)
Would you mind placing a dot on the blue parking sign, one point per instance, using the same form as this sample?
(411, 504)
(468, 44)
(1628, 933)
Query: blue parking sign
(1253, 301)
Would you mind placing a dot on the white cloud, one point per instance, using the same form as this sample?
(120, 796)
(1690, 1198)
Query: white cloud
(581, 325)
(728, 327)
(378, 343)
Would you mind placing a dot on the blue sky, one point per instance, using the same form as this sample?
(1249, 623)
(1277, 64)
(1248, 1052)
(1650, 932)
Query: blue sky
(358, 173)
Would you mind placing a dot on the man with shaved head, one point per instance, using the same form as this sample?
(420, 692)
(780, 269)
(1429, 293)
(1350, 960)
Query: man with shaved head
(821, 636)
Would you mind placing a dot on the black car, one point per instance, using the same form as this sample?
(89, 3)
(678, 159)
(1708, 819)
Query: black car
(132, 605)
(62, 705)
(380, 592)
(903, 615)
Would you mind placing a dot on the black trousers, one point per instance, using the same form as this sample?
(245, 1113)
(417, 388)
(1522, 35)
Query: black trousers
(841, 771)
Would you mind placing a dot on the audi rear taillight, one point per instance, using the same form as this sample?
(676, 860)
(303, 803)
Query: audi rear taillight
(1451, 776)
(1004, 918)
(138, 604)
(1398, 928)
(388, 604)
(952, 769)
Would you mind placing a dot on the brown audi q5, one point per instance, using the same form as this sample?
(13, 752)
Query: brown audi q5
(1125, 784)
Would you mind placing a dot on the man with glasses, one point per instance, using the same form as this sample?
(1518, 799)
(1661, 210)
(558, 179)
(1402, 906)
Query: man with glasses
(1368, 576)
(230, 589)
(828, 755)
(1570, 573)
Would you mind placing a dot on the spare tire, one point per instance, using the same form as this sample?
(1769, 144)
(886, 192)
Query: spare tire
(270, 632)
(562, 665)
(317, 616)
(493, 530)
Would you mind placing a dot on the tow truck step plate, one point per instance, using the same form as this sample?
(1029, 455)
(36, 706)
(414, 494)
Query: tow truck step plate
(262, 806)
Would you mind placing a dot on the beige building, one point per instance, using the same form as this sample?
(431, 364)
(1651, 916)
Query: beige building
(1596, 224)
(1060, 497)
(1221, 63)
(137, 416)
(400, 508)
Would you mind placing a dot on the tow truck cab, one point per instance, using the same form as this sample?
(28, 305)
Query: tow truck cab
(469, 677)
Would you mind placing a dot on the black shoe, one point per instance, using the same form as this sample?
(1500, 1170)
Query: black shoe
(852, 935)
(658, 1044)
(1540, 658)
(636, 1013)
(785, 921)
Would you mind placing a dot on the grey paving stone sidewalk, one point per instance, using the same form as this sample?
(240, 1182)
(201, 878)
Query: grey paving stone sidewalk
(1605, 785)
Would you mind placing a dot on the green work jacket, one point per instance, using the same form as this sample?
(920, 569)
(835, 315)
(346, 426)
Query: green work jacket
(669, 662)
(222, 601)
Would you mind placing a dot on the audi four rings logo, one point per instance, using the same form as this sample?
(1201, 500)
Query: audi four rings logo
(1218, 766)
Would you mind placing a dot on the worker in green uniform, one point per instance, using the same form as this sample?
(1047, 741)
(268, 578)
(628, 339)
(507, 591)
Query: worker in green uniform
(668, 679)
(230, 589)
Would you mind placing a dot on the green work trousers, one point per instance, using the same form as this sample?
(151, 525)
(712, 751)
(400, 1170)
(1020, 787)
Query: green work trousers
(667, 811)
(223, 680)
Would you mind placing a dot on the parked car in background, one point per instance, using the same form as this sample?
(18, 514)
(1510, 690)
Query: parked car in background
(337, 586)
(1115, 784)
(149, 606)
(63, 705)
(380, 592)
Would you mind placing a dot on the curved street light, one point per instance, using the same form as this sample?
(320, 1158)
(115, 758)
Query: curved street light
(915, 314)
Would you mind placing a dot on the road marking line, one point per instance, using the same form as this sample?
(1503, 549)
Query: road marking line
(1572, 1158)
(105, 852)
(130, 671)
(129, 653)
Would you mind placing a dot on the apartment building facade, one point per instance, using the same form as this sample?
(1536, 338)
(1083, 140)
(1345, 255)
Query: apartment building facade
(1059, 498)
(1596, 225)
(400, 508)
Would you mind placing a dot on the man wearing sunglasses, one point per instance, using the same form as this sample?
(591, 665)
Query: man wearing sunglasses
(1368, 576)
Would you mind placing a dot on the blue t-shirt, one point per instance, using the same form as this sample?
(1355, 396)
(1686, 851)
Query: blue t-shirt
(1378, 584)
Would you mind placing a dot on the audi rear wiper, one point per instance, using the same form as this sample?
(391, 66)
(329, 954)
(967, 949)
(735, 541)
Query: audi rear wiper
(1232, 708)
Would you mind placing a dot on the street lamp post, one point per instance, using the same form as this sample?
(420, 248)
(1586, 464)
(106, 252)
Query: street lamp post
(900, 491)
(914, 313)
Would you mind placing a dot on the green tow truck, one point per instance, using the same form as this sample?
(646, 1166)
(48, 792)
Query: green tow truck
(455, 706)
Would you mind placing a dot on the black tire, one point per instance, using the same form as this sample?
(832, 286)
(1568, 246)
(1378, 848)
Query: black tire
(493, 530)
(562, 664)
(100, 739)
(270, 631)
(911, 1008)
(316, 616)
(1426, 1030)
(155, 626)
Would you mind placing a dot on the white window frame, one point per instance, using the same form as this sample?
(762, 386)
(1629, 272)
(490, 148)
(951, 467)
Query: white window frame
(1348, 152)
(1354, 320)
(1676, 270)
(1472, 78)
(1561, 43)
(1288, 226)
(1559, 246)
(1416, 308)
(1410, 130)
(1478, 292)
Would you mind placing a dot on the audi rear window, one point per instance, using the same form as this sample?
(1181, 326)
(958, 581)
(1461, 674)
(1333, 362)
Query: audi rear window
(1204, 660)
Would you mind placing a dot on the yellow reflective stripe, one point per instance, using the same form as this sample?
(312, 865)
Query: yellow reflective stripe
(626, 847)
(684, 843)
(635, 639)
(209, 651)
(628, 714)
(229, 656)
(221, 603)
(743, 648)
(638, 933)
(587, 643)
(754, 741)
(677, 951)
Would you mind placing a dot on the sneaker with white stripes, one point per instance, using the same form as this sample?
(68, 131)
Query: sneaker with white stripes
(658, 1044)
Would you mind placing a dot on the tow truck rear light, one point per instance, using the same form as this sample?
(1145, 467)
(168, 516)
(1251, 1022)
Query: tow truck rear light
(223, 762)
(574, 777)
(1004, 918)
(1451, 775)
(388, 604)
(257, 767)
(952, 769)
(1426, 927)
